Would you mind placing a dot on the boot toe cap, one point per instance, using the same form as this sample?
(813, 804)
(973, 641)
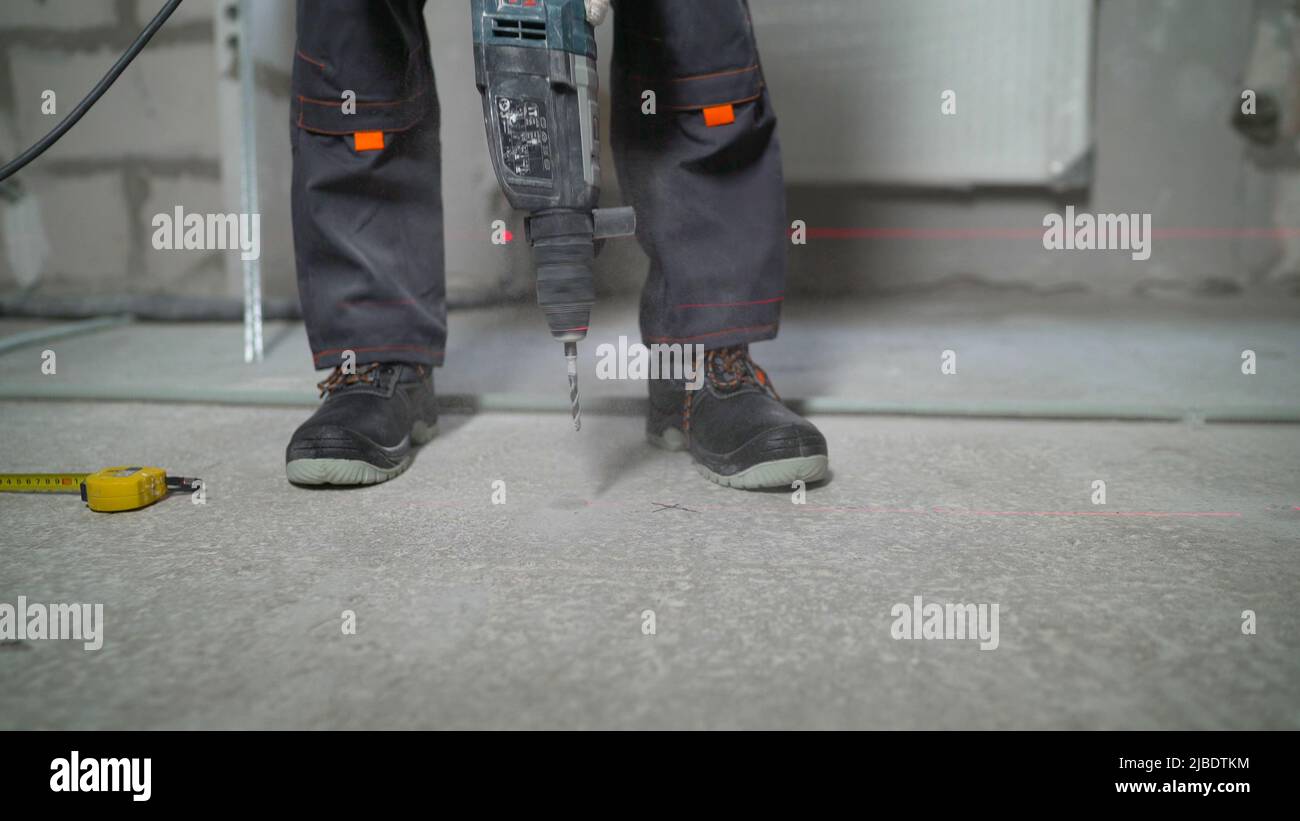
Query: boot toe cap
(799, 438)
(326, 442)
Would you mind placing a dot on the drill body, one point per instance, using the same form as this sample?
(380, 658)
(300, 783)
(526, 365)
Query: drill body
(535, 68)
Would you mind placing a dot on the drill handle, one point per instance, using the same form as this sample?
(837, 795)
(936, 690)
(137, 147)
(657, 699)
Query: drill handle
(610, 223)
(606, 223)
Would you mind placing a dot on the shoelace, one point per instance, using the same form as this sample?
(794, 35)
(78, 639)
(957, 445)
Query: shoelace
(729, 369)
(338, 379)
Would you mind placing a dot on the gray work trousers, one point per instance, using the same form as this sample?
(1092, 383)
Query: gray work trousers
(367, 224)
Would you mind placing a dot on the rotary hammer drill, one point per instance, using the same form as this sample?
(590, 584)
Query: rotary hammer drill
(535, 67)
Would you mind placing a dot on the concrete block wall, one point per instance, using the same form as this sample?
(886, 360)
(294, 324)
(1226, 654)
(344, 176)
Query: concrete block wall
(79, 219)
(168, 133)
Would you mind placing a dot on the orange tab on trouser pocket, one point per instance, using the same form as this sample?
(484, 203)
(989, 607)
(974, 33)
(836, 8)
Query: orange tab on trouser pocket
(368, 140)
(719, 115)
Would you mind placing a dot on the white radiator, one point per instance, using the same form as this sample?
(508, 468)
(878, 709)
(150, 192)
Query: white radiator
(858, 86)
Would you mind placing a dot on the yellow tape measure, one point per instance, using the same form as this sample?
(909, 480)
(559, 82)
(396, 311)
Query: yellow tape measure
(107, 491)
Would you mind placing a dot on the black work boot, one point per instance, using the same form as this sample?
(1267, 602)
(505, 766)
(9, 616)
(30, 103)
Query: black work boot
(735, 425)
(364, 430)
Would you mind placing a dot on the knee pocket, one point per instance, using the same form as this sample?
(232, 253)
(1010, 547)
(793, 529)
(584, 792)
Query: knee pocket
(386, 95)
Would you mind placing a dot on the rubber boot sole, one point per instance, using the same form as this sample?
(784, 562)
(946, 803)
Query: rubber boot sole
(355, 471)
(776, 473)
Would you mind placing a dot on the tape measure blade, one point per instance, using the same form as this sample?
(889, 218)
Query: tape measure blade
(41, 482)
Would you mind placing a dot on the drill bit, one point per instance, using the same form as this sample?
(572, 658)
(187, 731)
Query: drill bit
(571, 357)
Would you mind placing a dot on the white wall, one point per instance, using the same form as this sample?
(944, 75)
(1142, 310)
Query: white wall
(1167, 77)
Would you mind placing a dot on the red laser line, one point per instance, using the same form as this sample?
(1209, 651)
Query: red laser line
(905, 233)
(934, 511)
(942, 511)
(1111, 513)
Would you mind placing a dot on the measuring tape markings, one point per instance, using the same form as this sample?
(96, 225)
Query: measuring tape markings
(42, 482)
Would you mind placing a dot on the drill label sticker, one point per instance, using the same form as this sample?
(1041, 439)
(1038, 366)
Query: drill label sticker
(525, 137)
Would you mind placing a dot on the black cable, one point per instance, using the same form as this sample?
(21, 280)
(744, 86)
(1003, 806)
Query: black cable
(107, 80)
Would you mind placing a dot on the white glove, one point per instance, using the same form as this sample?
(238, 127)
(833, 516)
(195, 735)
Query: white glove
(596, 11)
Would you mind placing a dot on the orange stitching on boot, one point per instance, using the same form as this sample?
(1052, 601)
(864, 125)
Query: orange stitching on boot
(339, 379)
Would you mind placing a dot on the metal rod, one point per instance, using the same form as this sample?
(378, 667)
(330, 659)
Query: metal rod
(248, 185)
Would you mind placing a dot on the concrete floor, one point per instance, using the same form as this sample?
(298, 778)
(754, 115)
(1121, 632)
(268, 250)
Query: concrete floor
(768, 614)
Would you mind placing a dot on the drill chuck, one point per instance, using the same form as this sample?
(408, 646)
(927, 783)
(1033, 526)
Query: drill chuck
(564, 249)
(565, 243)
